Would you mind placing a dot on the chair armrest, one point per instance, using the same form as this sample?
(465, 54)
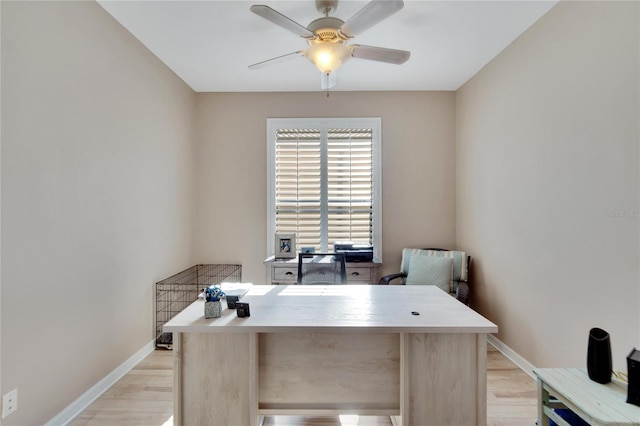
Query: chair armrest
(388, 278)
(463, 292)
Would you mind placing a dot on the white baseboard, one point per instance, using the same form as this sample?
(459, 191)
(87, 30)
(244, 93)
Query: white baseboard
(515, 357)
(77, 406)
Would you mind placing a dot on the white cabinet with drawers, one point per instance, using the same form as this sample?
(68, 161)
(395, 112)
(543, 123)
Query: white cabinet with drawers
(285, 271)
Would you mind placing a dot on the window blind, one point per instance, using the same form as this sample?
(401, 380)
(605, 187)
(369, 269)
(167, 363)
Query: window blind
(324, 188)
(298, 185)
(349, 185)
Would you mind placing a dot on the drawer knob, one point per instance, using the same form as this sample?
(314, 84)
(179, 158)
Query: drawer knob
(289, 273)
(355, 273)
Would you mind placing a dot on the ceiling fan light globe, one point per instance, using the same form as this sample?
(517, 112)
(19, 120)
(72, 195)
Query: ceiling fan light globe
(328, 57)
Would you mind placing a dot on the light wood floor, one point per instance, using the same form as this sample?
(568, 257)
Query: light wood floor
(144, 397)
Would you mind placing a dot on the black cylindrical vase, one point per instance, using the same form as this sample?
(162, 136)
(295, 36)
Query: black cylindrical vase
(599, 356)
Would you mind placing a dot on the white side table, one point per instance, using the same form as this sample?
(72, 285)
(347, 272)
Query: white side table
(595, 403)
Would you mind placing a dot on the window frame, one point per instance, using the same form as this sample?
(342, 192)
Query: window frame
(373, 123)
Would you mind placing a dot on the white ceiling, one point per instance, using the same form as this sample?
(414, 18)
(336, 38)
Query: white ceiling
(209, 44)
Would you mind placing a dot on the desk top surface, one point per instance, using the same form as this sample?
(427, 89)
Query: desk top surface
(604, 404)
(339, 308)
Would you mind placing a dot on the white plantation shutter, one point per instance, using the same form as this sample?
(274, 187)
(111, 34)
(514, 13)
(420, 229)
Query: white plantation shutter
(298, 185)
(349, 186)
(324, 181)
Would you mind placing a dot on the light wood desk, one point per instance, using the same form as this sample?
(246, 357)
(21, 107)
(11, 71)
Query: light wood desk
(325, 350)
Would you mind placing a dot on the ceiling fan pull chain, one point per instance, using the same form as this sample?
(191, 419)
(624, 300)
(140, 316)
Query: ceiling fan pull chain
(327, 76)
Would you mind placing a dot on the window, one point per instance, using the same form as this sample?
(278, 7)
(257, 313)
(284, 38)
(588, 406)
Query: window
(324, 181)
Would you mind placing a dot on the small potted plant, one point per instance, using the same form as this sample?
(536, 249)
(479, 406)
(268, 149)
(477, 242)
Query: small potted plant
(212, 305)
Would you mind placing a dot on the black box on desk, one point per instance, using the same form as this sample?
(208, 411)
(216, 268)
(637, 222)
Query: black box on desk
(242, 310)
(231, 301)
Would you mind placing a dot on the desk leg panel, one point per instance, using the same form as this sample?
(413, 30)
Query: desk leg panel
(216, 379)
(177, 379)
(444, 380)
(481, 374)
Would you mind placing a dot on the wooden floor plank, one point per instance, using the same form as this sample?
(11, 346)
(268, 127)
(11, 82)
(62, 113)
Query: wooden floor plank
(143, 397)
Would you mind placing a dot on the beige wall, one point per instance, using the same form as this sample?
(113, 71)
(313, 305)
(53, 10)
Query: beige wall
(0, 203)
(97, 198)
(547, 150)
(418, 153)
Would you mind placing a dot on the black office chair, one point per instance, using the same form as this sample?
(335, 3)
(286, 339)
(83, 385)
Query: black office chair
(322, 268)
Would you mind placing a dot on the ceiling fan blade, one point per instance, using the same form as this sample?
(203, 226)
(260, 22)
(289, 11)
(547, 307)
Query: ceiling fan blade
(279, 19)
(374, 12)
(277, 60)
(381, 54)
(327, 81)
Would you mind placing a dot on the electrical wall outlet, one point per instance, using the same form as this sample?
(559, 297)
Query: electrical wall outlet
(9, 403)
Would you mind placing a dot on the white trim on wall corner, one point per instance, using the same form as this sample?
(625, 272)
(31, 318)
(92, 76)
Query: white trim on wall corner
(513, 356)
(77, 406)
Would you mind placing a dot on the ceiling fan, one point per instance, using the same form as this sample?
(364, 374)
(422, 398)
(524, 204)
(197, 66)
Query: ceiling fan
(327, 35)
